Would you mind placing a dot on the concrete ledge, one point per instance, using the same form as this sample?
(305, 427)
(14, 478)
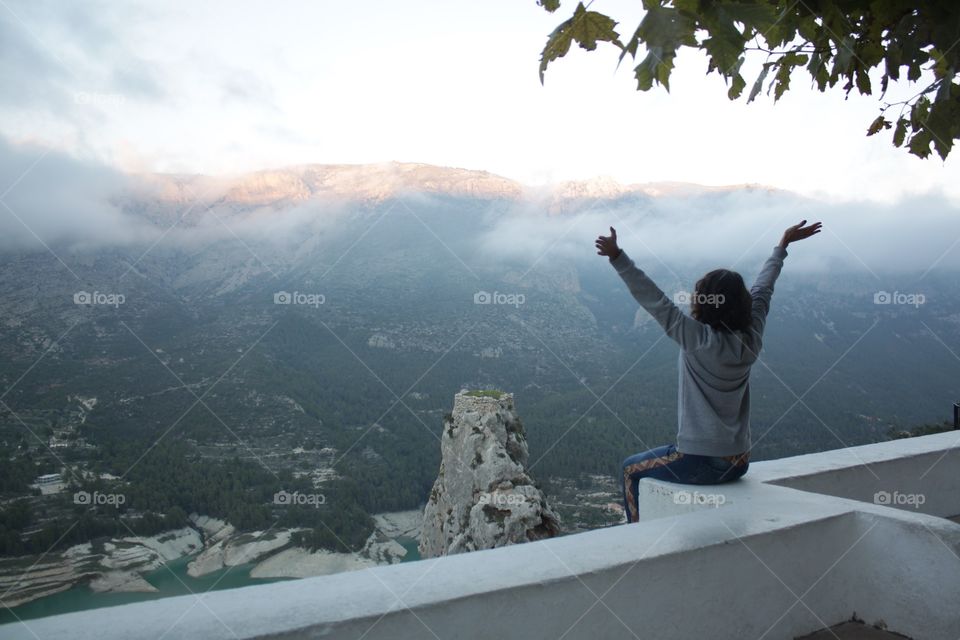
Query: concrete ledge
(899, 473)
(770, 561)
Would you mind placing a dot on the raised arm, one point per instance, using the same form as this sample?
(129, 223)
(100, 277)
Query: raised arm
(687, 332)
(762, 289)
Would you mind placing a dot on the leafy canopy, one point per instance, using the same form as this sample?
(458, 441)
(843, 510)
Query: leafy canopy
(838, 42)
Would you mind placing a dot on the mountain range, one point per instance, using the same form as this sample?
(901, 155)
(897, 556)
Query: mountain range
(314, 321)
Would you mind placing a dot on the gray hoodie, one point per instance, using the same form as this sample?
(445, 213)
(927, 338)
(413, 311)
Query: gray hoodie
(713, 407)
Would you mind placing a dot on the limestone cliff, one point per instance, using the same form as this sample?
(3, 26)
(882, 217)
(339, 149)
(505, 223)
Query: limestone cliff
(483, 496)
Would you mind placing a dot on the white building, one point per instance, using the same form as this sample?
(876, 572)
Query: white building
(48, 478)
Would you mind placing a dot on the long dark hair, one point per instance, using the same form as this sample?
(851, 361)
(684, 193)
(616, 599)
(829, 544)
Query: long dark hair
(722, 301)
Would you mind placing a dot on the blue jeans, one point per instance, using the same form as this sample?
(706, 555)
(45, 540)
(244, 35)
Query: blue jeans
(666, 463)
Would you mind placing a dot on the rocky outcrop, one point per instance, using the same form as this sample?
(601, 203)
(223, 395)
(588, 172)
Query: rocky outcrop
(381, 548)
(297, 562)
(483, 496)
(240, 549)
(399, 524)
(214, 530)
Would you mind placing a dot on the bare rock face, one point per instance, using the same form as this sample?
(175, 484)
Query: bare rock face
(483, 496)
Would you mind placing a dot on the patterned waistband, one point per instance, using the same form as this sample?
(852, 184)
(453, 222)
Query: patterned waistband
(738, 460)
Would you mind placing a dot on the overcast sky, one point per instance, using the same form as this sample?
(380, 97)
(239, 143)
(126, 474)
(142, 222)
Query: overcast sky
(224, 86)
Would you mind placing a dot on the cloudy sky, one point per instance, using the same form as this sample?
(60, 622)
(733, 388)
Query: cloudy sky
(225, 86)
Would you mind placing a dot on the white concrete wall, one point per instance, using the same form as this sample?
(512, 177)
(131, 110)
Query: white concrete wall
(925, 467)
(770, 562)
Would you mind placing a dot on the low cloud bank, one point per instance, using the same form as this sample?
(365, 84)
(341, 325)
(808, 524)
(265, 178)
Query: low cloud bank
(54, 199)
(737, 228)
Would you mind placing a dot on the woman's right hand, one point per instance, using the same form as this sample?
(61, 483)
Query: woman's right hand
(799, 232)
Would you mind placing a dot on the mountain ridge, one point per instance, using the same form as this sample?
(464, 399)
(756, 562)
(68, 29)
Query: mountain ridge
(379, 181)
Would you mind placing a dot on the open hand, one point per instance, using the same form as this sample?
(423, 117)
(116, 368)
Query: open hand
(607, 245)
(799, 232)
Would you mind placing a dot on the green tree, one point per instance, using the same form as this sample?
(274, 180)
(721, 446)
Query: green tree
(838, 43)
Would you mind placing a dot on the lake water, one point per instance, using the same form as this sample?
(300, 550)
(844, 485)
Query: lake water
(410, 544)
(170, 580)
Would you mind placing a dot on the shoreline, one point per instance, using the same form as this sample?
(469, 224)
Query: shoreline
(211, 554)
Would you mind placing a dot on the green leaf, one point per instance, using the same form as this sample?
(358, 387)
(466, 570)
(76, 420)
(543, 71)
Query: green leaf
(893, 59)
(686, 6)
(844, 57)
(876, 125)
(759, 82)
(943, 93)
(586, 28)
(785, 66)
(920, 143)
(558, 44)
(759, 16)
(646, 71)
(784, 28)
(863, 82)
(656, 66)
(942, 64)
(809, 28)
(913, 71)
(631, 47)
(839, 43)
(591, 27)
(736, 88)
(900, 132)
(667, 27)
(919, 111)
(818, 71)
(663, 30)
(942, 123)
(725, 44)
